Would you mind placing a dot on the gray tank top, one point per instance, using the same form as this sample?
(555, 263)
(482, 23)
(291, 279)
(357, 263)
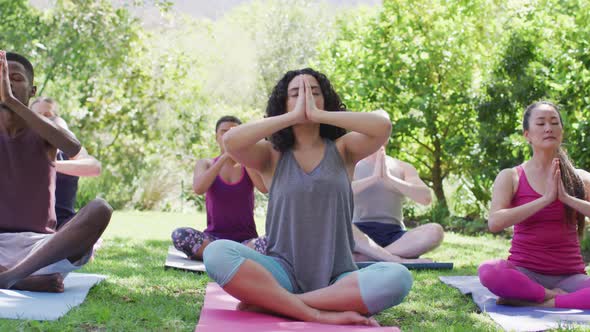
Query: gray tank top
(309, 220)
(376, 203)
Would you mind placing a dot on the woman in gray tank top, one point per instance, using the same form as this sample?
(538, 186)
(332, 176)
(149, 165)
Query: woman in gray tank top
(381, 184)
(308, 161)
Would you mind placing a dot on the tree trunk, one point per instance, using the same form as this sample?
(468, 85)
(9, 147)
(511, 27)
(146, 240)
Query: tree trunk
(437, 177)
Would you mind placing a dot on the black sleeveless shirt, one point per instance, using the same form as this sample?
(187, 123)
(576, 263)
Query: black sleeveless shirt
(66, 189)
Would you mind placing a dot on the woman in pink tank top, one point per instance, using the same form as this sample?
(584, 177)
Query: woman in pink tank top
(546, 200)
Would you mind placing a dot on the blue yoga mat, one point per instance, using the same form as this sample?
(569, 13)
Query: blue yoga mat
(415, 266)
(47, 306)
(517, 318)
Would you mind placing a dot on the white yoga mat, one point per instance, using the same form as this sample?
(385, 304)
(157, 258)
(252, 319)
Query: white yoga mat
(47, 306)
(517, 318)
(178, 260)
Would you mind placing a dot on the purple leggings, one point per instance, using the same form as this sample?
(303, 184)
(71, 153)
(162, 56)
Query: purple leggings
(189, 241)
(509, 281)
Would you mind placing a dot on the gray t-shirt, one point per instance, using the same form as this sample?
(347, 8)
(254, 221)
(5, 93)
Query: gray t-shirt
(377, 203)
(309, 220)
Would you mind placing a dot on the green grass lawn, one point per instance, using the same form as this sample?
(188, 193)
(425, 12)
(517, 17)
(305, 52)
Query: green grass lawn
(140, 295)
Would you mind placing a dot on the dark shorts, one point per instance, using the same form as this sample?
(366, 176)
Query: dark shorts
(62, 220)
(383, 234)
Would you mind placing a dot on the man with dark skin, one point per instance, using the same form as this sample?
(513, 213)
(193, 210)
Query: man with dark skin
(33, 256)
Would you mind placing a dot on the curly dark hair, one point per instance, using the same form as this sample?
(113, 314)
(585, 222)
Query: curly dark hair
(284, 139)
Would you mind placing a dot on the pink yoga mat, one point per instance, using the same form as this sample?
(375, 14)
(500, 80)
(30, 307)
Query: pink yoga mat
(219, 315)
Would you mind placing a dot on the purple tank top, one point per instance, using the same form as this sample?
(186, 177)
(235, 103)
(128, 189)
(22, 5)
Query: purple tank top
(230, 209)
(544, 242)
(27, 184)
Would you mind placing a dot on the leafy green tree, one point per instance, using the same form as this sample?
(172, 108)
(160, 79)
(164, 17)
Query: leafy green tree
(254, 44)
(92, 64)
(421, 61)
(20, 25)
(543, 55)
(131, 105)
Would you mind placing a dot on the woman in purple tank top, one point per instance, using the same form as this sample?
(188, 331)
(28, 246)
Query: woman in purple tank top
(229, 200)
(546, 200)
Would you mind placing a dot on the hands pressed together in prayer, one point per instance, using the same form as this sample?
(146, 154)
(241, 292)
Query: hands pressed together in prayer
(554, 188)
(381, 172)
(305, 107)
(5, 88)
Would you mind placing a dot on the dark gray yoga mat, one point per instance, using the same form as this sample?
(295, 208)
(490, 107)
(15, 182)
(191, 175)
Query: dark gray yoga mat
(516, 318)
(415, 266)
(178, 260)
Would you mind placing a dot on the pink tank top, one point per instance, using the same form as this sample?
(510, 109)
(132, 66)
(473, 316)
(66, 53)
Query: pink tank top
(27, 184)
(544, 242)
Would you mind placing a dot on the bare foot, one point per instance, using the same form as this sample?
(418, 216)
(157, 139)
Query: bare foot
(548, 301)
(416, 260)
(552, 293)
(50, 283)
(343, 318)
(324, 317)
(243, 306)
(515, 302)
(548, 304)
(373, 322)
